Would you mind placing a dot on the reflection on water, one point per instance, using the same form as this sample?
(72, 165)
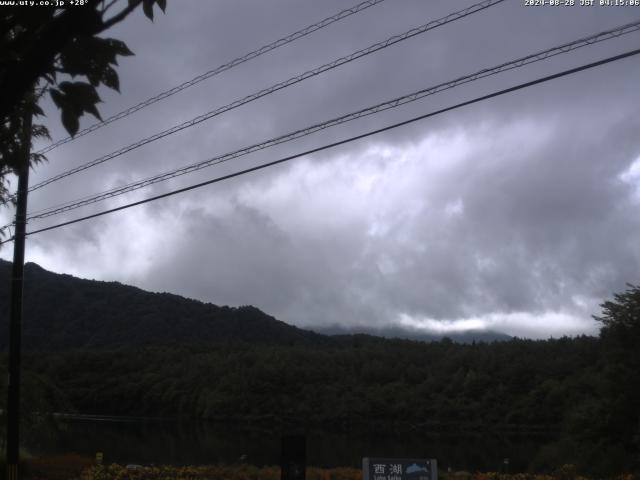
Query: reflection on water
(183, 443)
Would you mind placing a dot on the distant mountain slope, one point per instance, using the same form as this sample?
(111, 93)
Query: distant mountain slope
(412, 334)
(62, 312)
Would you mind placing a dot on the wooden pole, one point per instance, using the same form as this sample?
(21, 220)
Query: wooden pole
(15, 322)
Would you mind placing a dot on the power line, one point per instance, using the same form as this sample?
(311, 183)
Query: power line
(625, 29)
(342, 142)
(222, 68)
(396, 102)
(278, 86)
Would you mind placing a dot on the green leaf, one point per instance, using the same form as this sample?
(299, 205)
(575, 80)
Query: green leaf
(80, 93)
(93, 111)
(94, 78)
(79, 56)
(147, 8)
(119, 47)
(70, 121)
(37, 158)
(37, 111)
(40, 131)
(76, 98)
(110, 79)
(92, 57)
(57, 98)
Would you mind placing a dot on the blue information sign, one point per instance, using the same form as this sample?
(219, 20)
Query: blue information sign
(399, 469)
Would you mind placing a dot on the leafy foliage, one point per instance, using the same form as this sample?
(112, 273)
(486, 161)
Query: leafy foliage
(228, 472)
(57, 467)
(39, 45)
(12, 139)
(623, 312)
(620, 390)
(249, 472)
(74, 99)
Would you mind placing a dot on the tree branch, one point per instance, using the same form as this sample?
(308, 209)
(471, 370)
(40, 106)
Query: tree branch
(52, 37)
(108, 6)
(120, 16)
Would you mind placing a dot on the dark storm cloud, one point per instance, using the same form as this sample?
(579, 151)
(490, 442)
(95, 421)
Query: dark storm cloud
(511, 214)
(491, 230)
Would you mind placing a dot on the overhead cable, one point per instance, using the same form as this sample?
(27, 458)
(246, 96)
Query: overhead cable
(222, 68)
(396, 102)
(278, 86)
(341, 142)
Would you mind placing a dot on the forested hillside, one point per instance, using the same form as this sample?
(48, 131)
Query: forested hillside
(107, 348)
(63, 312)
(467, 336)
(557, 388)
(357, 382)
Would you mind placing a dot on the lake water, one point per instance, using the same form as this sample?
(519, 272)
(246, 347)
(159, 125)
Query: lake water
(183, 443)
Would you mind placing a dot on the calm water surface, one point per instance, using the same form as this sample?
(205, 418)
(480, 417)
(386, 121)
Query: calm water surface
(193, 443)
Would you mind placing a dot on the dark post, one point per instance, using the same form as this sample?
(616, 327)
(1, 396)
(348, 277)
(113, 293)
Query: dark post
(15, 325)
(293, 462)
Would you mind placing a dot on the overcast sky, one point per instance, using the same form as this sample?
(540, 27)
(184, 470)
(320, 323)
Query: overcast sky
(518, 214)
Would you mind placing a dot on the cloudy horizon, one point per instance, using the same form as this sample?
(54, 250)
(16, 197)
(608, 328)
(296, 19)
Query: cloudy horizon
(518, 214)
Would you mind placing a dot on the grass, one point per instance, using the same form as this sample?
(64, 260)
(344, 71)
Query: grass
(76, 467)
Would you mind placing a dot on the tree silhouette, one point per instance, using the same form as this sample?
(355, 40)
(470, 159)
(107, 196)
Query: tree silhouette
(44, 50)
(620, 335)
(623, 313)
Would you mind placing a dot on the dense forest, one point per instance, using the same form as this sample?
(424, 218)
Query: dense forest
(63, 312)
(106, 348)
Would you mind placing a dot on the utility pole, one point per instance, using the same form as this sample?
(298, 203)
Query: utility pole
(15, 322)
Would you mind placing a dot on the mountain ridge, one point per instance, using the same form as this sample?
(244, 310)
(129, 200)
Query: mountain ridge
(64, 312)
(399, 332)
